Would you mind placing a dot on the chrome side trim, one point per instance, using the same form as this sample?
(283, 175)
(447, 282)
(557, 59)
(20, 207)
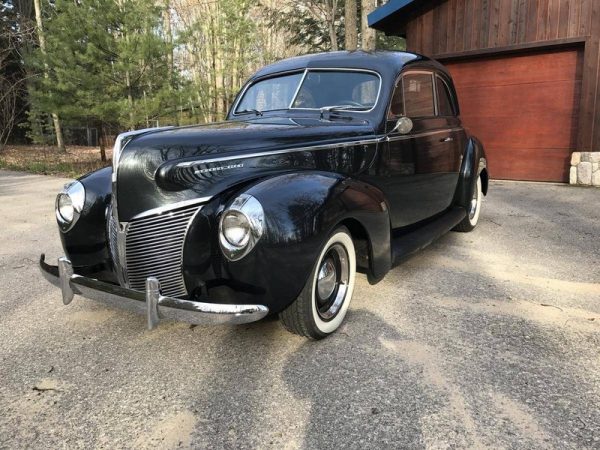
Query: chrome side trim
(428, 133)
(375, 140)
(280, 152)
(170, 207)
(150, 303)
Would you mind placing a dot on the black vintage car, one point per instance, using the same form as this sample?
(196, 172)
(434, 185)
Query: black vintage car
(326, 165)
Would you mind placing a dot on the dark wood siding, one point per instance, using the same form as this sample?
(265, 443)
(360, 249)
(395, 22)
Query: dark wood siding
(465, 28)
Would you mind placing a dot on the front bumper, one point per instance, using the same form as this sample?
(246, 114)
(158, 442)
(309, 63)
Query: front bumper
(151, 302)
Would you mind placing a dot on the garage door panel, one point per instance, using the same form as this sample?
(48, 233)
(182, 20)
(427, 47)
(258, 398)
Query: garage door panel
(524, 132)
(524, 108)
(521, 164)
(522, 100)
(528, 69)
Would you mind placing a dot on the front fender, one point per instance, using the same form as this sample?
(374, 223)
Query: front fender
(85, 244)
(301, 210)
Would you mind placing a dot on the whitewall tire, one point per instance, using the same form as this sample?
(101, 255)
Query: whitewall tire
(322, 305)
(474, 210)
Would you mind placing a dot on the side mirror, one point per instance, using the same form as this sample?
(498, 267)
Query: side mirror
(403, 126)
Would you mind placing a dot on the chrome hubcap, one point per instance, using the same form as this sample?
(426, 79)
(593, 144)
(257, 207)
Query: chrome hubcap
(332, 282)
(326, 279)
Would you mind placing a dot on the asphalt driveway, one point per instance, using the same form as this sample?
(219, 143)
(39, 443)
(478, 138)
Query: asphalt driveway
(488, 339)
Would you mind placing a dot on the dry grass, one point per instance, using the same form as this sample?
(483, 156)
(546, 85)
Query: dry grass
(48, 160)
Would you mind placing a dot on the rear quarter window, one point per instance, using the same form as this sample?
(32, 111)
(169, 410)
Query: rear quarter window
(445, 107)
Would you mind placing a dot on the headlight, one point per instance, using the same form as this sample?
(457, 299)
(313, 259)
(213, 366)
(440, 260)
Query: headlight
(69, 205)
(65, 208)
(241, 226)
(236, 228)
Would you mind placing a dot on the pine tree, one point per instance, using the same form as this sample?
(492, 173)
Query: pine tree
(107, 64)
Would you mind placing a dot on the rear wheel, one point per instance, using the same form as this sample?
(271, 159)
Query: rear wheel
(472, 218)
(322, 305)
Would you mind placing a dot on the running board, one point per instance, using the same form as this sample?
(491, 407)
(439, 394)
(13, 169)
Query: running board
(406, 245)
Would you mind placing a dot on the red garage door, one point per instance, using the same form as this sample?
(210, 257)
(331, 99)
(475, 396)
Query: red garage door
(524, 109)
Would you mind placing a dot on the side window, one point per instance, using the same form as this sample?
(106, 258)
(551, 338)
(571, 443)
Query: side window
(418, 95)
(397, 106)
(443, 95)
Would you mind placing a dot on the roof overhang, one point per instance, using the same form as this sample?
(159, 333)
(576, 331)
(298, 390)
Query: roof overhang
(392, 17)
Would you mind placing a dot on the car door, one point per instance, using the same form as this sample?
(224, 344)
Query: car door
(419, 170)
(451, 134)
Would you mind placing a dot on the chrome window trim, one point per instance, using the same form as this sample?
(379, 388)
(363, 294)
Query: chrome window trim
(436, 106)
(399, 82)
(302, 78)
(252, 82)
(306, 70)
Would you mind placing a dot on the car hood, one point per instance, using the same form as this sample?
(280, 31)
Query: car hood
(179, 164)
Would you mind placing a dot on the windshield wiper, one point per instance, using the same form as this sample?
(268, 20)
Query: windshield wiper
(334, 108)
(255, 111)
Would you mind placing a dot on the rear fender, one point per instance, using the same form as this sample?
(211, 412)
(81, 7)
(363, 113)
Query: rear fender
(474, 164)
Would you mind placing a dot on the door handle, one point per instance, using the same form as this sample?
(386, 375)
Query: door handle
(447, 139)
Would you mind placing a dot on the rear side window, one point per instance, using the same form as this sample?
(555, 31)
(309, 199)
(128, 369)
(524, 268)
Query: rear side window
(418, 95)
(444, 100)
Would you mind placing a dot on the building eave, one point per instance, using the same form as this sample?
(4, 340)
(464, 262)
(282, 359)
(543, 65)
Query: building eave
(391, 18)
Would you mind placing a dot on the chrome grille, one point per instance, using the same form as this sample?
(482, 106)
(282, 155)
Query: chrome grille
(153, 248)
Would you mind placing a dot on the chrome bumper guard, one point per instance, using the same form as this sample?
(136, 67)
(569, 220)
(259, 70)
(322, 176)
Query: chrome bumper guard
(151, 303)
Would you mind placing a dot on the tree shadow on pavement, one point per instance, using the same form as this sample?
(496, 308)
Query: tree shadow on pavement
(269, 388)
(360, 393)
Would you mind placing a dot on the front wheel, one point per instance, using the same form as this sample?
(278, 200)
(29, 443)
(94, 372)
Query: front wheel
(322, 305)
(472, 218)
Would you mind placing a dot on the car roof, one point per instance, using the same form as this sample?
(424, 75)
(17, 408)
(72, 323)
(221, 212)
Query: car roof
(384, 62)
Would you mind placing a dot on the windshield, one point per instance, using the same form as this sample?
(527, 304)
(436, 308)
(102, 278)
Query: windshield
(312, 89)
